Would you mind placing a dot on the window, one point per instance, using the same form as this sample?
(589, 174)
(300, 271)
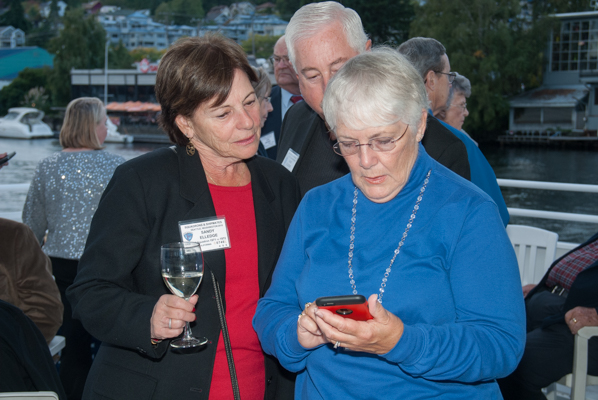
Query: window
(560, 115)
(531, 115)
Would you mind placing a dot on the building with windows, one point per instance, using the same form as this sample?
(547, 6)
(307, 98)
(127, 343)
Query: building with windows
(242, 26)
(123, 84)
(11, 37)
(568, 97)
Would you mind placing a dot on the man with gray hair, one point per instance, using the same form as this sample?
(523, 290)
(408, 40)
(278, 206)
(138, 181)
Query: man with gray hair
(429, 58)
(320, 38)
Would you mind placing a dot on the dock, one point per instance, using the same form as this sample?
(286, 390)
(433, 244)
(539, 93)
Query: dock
(547, 139)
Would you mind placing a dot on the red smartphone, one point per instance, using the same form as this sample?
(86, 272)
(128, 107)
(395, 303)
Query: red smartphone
(351, 306)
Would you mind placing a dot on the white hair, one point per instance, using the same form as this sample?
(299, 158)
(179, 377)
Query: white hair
(377, 88)
(312, 18)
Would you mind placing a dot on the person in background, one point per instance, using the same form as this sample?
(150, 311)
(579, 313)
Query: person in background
(63, 197)
(212, 175)
(565, 300)
(448, 316)
(431, 61)
(263, 89)
(26, 279)
(456, 111)
(284, 95)
(320, 38)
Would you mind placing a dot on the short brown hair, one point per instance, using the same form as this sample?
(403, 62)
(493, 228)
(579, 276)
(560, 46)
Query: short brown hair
(193, 71)
(80, 121)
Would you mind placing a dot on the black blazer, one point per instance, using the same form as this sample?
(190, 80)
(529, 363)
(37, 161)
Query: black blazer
(301, 123)
(119, 281)
(273, 123)
(583, 293)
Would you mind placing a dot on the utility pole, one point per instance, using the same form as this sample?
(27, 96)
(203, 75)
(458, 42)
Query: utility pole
(106, 72)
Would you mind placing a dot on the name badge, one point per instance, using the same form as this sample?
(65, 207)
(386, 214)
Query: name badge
(268, 140)
(211, 233)
(290, 159)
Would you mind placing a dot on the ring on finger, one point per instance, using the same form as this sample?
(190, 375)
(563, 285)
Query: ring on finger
(169, 323)
(337, 344)
(574, 320)
(307, 306)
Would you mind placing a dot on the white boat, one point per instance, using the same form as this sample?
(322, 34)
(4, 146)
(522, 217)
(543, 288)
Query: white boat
(114, 136)
(24, 123)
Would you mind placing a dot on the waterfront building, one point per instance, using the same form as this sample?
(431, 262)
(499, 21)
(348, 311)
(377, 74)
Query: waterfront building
(567, 101)
(241, 27)
(11, 37)
(14, 60)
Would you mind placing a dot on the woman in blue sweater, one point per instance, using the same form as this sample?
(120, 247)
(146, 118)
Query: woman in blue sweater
(427, 247)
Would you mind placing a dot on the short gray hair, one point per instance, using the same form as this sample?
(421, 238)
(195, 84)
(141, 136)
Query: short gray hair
(373, 89)
(263, 84)
(424, 53)
(312, 18)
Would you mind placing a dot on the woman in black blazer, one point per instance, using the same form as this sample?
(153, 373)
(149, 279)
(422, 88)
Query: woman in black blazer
(209, 109)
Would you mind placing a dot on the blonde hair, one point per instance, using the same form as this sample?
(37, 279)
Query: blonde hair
(80, 121)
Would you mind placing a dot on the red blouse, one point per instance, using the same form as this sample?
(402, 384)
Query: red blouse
(241, 294)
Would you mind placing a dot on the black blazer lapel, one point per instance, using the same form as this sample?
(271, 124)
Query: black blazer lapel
(267, 224)
(194, 188)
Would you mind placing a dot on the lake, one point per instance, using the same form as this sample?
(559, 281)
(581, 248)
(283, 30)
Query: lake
(527, 163)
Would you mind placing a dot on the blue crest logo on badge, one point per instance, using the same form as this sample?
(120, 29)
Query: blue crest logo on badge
(188, 236)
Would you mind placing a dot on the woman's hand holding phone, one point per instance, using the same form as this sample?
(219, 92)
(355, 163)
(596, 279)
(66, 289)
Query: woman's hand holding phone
(308, 332)
(377, 336)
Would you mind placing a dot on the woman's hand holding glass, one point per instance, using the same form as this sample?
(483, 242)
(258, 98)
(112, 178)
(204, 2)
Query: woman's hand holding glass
(170, 307)
(376, 336)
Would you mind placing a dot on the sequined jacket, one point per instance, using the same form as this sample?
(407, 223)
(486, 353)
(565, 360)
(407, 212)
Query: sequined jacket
(119, 282)
(63, 196)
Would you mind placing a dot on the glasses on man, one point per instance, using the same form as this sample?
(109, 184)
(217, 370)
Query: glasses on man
(462, 106)
(277, 59)
(450, 75)
(350, 147)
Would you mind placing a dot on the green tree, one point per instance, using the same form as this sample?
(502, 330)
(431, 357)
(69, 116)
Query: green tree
(263, 45)
(546, 7)
(15, 16)
(151, 53)
(179, 12)
(79, 45)
(488, 43)
(385, 21)
(13, 94)
(119, 57)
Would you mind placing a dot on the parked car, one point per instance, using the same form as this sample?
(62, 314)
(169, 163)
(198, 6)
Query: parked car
(24, 123)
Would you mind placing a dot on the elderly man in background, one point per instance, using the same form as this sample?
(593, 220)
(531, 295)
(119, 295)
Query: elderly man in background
(320, 38)
(282, 98)
(456, 111)
(430, 59)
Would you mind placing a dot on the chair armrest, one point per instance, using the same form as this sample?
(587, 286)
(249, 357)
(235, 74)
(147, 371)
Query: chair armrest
(588, 331)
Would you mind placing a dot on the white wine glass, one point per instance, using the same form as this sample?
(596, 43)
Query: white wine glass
(182, 271)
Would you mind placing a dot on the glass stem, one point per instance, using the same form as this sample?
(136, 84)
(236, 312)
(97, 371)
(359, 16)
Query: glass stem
(187, 331)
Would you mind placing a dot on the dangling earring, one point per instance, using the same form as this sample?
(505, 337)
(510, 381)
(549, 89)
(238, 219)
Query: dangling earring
(190, 148)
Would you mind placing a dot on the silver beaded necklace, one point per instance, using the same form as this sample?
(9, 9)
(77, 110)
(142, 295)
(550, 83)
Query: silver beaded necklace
(397, 250)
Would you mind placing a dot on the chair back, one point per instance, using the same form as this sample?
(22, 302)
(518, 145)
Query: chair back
(28, 396)
(535, 249)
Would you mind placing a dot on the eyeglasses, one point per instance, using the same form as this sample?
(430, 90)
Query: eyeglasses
(277, 59)
(351, 147)
(462, 106)
(268, 99)
(451, 75)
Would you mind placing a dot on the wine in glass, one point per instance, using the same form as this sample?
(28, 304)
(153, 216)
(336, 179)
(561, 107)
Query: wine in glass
(182, 270)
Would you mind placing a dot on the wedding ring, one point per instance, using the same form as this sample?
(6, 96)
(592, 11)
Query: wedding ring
(300, 315)
(337, 345)
(307, 305)
(574, 320)
(169, 323)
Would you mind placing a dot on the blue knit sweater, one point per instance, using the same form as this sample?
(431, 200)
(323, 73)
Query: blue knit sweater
(455, 285)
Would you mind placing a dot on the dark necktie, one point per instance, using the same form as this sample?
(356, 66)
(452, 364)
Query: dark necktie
(295, 99)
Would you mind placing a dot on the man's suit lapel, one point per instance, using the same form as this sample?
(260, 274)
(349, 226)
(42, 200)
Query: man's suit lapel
(194, 188)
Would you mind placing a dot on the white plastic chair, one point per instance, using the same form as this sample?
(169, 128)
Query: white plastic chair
(579, 378)
(29, 396)
(535, 249)
(56, 344)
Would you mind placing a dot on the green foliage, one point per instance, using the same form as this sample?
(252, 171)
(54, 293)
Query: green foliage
(150, 53)
(13, 94)
(37, 98)
(263, 45)
(488, 44)
(546, 7)
(119, 57)
(286, 8)
(15, 16)
(385, 21)
(179, 12)
(80, 45)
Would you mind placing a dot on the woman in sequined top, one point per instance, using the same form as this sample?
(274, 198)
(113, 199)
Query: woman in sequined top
(425, 247)
(61, 202)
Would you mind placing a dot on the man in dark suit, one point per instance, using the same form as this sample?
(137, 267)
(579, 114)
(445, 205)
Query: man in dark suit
(320, 38)
(429, 58)
(563, 302)
(282, 98)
